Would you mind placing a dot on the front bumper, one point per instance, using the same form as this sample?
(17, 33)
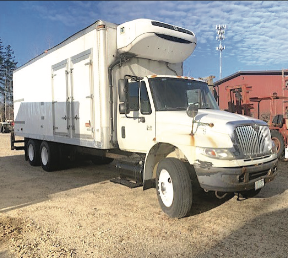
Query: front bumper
(234, 179)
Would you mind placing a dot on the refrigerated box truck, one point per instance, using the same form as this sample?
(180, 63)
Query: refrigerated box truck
(113, 91)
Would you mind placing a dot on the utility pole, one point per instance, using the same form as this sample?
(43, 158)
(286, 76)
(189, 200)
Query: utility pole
(220, 36)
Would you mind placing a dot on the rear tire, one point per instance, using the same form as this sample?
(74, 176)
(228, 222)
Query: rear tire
(33, 152)
(279, 142)
(49, 156)
(174, 188)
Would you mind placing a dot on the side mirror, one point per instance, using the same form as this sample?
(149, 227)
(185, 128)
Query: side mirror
(123, 108)
(192, 110)
(123, 90)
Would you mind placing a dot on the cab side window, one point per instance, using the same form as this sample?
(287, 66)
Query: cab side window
(133, 95)
(144, 100)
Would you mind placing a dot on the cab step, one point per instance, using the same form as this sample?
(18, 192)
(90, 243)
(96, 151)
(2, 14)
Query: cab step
(19, 147)
(125, 182)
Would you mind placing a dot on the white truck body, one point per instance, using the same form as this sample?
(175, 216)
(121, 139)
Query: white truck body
(71, 96)
(71, 80)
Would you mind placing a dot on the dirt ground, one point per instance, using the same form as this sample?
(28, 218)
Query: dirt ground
(78, 212)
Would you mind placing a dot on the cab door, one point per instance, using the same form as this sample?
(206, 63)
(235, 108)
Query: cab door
(136, 128)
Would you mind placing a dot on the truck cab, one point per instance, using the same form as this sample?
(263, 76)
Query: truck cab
(175, 120)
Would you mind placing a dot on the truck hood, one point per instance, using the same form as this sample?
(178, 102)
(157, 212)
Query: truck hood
(175, 127)
(218, 117)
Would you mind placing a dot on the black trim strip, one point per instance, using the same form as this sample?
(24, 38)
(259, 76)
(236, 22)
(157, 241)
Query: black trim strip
(171, 38)
(171, 27)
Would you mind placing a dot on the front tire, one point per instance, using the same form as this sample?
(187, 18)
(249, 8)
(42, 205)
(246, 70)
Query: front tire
(49, 156)
(174, 188)
(279, 142)
(33, 153)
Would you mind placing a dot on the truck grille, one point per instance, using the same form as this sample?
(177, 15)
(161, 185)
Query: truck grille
(253, 140)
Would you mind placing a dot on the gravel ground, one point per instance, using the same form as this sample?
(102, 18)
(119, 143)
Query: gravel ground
(78, 212)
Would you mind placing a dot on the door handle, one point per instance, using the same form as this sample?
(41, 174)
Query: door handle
(141, 119)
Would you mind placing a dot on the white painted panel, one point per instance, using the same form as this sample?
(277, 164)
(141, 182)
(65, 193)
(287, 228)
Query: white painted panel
(83, 123)
(59, 102)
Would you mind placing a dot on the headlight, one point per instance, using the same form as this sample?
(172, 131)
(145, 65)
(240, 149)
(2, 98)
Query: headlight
(215, 153)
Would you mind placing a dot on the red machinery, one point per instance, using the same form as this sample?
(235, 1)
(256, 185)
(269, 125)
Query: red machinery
(238, 99)
(278, 125)
(275, 113)
(240, 103)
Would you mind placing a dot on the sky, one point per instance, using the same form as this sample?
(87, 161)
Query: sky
(256, 35)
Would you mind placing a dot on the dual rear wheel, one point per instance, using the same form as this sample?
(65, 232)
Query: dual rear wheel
(49, 156)
(42, 153)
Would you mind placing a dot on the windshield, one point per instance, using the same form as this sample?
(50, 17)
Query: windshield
(177, 94)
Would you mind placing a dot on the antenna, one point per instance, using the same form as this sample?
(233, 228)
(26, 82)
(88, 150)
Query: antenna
(220, 36)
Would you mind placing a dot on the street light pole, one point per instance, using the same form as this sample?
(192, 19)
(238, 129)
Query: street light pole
(220, 36)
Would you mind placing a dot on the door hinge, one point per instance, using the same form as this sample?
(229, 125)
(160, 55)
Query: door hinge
(89, 63)
(90, 96)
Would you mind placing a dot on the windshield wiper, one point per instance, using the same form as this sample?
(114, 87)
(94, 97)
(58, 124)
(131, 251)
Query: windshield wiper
(175, 108)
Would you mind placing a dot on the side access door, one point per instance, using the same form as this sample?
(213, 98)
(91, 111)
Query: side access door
(82, 95)
(60, 102)
(136, 129)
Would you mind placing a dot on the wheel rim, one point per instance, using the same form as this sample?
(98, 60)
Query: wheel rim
(31, 152)
(165, 187)
(277, 143)
(44, 156)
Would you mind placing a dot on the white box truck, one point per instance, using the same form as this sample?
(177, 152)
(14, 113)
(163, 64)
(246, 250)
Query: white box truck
(113, 91)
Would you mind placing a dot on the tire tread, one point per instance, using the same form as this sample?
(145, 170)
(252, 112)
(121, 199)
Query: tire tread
(184, 199)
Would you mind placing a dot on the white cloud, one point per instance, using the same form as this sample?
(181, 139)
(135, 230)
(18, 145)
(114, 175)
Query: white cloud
(256, 31)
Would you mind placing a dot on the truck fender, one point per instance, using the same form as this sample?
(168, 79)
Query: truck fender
(157, 153)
